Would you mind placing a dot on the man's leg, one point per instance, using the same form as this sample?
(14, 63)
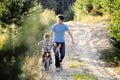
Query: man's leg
(62, 54)
(57, 61)
(62, 51)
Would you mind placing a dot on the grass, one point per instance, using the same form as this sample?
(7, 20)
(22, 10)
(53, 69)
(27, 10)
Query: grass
(75, 64)
(117, 69)
(32, 70)
(83, 76)
(110, 56)
(94, 19)
(74, 58)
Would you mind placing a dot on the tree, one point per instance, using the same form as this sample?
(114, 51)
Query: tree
(14, 10)
(49, 4)
(12, 53)
(112, 8)
(87, 7)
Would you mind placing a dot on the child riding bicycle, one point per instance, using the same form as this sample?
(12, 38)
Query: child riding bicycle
(46, 47)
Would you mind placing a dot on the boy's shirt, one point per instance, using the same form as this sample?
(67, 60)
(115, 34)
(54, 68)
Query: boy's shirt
(46, 44)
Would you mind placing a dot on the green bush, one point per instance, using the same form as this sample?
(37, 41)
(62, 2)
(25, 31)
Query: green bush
(69, 14)
(87, 7)
(34, 27)
(48, 4)
(115, 17)
(12, 11)
(112, 8)
(13, 51)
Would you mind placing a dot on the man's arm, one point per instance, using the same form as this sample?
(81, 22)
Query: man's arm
(71, 36)
(51, 34)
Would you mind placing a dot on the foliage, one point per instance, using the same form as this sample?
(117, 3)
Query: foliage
(69, 14)
(51, 4)
(115, 17)
(24, 28)
(102, 7)
(89, 19)
(111, 56)
(15, 46)
(12, 11)
(35, 25)
(87, 7)
(2, 9)
(47, 17)
(112, 8)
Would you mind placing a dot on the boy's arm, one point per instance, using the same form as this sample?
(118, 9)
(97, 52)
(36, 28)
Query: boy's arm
(40, 43)
(56, 44)
(58, 48)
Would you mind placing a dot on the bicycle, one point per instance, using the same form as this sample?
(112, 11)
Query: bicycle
(47, 61)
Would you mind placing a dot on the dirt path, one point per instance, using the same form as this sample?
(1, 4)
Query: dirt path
(88, 39)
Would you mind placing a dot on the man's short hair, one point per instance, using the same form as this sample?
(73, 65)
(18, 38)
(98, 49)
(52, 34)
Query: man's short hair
(60, 16)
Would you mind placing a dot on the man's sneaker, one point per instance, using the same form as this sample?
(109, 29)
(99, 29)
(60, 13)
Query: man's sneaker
(58, 69)
(61, 66)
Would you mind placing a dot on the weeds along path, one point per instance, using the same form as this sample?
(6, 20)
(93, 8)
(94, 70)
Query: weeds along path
(83, 57)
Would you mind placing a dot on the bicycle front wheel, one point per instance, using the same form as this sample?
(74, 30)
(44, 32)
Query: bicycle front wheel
(47, 64)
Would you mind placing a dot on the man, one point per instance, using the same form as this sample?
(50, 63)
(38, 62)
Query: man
(59, 29)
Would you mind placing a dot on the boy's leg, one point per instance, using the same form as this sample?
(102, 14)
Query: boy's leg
(50, 57)
(43, 56)
(57, 61)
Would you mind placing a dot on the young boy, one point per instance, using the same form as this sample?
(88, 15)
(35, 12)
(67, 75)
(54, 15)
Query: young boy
(46, 46)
